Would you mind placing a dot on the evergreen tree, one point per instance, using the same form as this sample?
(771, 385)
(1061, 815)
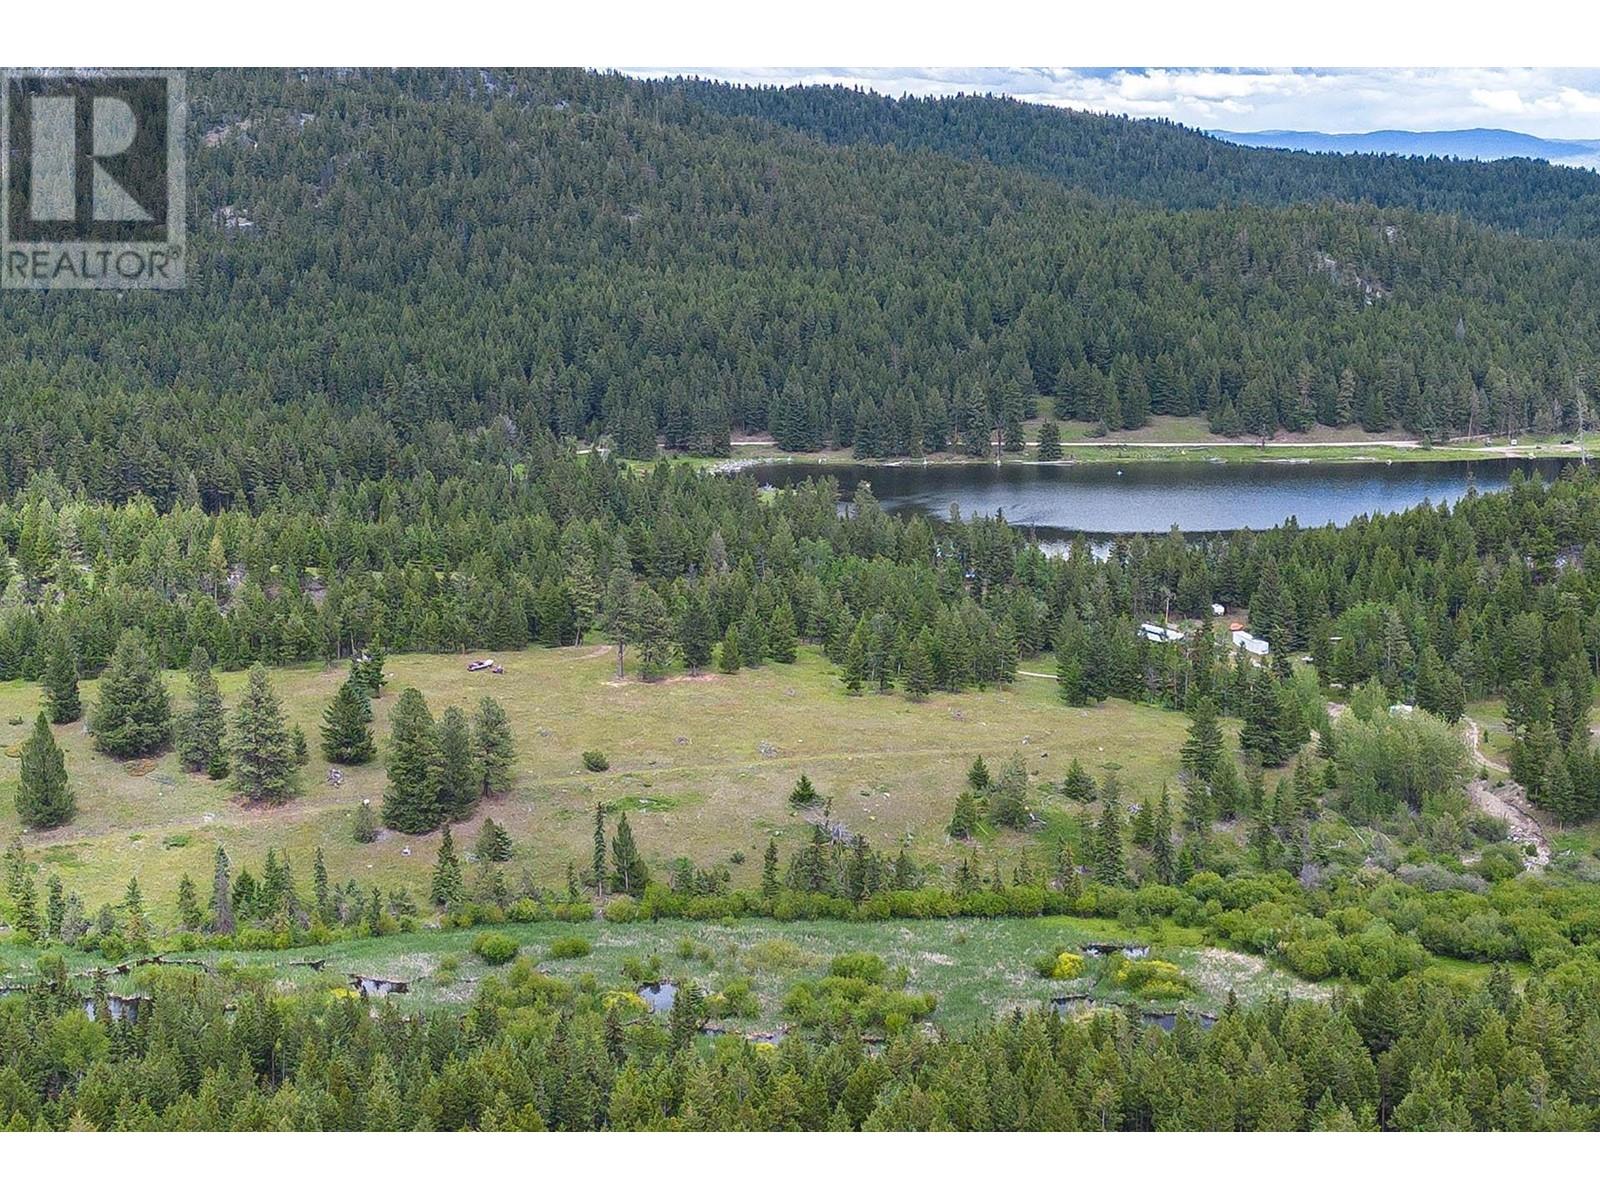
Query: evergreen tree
(297, 742)
(320, 889)
(1161, 853)
(1203, 748)
(347, 726)
(804, 795)
(492, 746)
(1066, 871)
(964, 821)
(1108, 849)
(1049, 442)
(222, 919)
(366, 824)
(918, 670)
(494, 843)
(411, 799)
(781, 636)
(201, 732)
(459, 781)
(55, 909)
(597, 861)
(696, 633)
(769, 870)
(731, 657)
(44, 799)
(628, 872)
(855, 662)
(1008, 797)
(1078, 784)
(60, 679)
(447, 886)
(263, 748)
(133, 714)
(978, 776)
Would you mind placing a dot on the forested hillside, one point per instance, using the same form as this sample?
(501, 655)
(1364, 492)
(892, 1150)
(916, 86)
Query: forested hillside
(382, 263)
(1163, 163)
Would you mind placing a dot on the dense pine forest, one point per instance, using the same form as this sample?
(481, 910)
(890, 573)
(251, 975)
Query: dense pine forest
(439, 331)
(380, 259)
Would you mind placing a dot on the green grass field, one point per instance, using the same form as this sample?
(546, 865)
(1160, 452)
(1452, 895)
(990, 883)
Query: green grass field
(976, 968)
(703, 766)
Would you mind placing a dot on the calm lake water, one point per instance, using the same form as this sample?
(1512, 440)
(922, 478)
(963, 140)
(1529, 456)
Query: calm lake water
(1196, 497)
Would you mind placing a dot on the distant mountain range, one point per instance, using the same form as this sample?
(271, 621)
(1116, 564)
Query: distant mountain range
(1439, 143)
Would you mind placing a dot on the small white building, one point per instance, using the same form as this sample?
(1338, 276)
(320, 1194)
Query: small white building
(1218, 610)
(1243, 640)
(1160, 633)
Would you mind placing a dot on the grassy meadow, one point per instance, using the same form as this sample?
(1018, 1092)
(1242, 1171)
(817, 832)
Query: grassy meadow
(977, 968)
(702, 765)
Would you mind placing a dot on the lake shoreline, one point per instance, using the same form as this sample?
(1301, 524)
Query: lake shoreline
(1291, 453)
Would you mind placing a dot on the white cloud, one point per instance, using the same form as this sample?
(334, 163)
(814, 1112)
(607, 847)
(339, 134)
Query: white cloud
(1545, 102)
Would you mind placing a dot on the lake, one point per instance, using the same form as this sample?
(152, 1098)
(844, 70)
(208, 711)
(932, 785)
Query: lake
(1154, 497)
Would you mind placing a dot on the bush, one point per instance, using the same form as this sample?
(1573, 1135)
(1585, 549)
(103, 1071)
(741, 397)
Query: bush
(624, 910)
(594, 760)
(858, 964)
(1060, 964)
(495, 948)
(569, 947)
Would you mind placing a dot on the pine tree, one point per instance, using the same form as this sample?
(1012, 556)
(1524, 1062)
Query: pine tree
(597, 860)
(221, 895)
(55, 909)
(781, 636)
(492, 746)
(447, 887)
(769, 870)
(133, 714)
(1078, 785)
(297, 742)
(1108, 850)
(411, 799)
(1066, 872)
(855, 662)
(804, 795)
(978, 780)
(459, 780)
(1203, 748)
(696, 633)
(134, 919)
(1008, 797)
(731, 657)
(262, 748)
(918, 669)
(201, 731)
(44, 798)
(1161, 853)
(1049, 442)
(964, 821)
(320, 890)
(494, 843)
(347, 726)
(60, 679)
(366, 823)
(628, 872)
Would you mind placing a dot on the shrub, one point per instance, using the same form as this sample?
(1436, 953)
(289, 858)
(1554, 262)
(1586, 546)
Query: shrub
(595, 760)
(569, 947)
(494, 948)
(858, 964)
(624, 910)
(1060, 964)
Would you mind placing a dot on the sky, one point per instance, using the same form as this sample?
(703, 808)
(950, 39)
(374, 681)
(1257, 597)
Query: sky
(1547, 102)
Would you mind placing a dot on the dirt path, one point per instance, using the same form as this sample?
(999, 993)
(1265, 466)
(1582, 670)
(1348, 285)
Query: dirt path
(1505, 800)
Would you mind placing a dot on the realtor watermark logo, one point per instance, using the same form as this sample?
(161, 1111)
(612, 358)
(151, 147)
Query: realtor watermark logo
(91, 179)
